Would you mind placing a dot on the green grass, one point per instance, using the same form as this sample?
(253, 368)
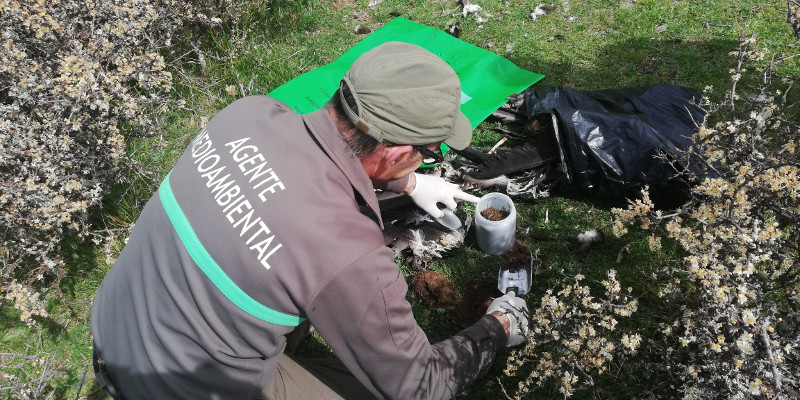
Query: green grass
(586, 45)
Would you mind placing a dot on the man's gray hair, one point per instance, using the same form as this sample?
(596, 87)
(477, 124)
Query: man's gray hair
(360, 144)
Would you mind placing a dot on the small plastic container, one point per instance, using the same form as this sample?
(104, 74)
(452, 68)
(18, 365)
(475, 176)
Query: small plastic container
(449, 220)
(496, 237)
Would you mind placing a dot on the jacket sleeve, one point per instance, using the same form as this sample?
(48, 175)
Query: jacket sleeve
(395, 186)
(364, 316)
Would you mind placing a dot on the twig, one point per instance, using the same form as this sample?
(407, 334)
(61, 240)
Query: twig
(588, 377)
(707, 24)
(667, 216)
(786, 93)
(201, 59)
(83, 379)
(503, 388)
(776, 374)
(498, 144)
(295, 53)
(738, 71)
(789, 380)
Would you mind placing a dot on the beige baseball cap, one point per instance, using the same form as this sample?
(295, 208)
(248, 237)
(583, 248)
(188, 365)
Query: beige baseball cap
(405, 94)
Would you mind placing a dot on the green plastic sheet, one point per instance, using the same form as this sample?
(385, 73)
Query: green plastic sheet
(486, 78)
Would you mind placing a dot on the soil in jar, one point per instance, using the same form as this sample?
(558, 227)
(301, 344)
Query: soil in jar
(495, 214)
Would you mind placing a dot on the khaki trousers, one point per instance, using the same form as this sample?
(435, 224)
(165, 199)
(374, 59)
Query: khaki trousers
(314, 379)
(311, 378)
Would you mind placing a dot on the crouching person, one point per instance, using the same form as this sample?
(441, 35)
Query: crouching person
(269, 222)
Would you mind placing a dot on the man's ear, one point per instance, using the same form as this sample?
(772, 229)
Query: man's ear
(384, 158)
(393, 154)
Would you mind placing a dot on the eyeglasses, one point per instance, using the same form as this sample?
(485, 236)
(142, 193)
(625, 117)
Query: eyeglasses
(431, 156)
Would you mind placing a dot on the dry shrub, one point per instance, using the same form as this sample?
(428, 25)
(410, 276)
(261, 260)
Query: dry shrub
(738, 286)
(27, 376)
(573, 337)
(737, 290)
(76, 78)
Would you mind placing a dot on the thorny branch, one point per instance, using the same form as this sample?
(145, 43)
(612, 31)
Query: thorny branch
(776, 374)
(503, 388)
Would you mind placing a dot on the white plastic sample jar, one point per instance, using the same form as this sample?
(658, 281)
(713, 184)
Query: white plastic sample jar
(496, 237)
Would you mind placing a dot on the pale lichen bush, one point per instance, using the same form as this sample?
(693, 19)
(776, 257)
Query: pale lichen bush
(574, 337)
(27, 375)
(76, 78)
(25, 300)
(737, 286)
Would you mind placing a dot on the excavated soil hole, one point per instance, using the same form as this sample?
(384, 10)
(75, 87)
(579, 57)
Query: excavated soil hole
(434, 288)
(476, 299)
(518, 257)
(495, 214)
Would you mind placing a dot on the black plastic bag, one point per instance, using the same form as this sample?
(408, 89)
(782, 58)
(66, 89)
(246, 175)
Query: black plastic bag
(610, 139)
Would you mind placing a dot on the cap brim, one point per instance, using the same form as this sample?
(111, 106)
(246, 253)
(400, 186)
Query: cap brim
(462, 133)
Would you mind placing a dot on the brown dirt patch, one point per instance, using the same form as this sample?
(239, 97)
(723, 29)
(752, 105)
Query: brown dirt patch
(434, 288)
(518, 257)
(495, 214)
(339, 4)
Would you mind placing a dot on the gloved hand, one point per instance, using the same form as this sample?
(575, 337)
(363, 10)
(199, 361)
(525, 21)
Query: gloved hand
(517, 312)
(431, 189)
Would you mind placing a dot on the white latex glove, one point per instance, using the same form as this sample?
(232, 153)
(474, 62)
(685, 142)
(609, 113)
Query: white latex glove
(517, 312)
(431, 189)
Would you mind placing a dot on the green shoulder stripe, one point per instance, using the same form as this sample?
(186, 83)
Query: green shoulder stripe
(210, 267)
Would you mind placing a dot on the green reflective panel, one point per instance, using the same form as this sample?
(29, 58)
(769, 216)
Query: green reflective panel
(210, 267)
(487, 79)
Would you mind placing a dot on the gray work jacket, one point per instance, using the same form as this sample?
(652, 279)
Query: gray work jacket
(267, 220)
